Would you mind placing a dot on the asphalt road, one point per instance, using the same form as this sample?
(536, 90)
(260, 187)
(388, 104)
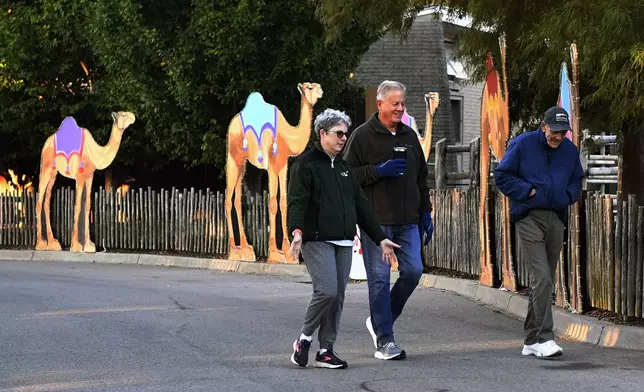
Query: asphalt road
(84, 327)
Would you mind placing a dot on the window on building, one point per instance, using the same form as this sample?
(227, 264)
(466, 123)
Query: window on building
(457, 127)
(457, 120)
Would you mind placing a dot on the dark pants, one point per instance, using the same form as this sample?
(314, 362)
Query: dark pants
(541, 236)
(329, 266)
(385, 304)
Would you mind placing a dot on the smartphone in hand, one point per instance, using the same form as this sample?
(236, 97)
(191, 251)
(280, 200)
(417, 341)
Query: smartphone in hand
(400, 153)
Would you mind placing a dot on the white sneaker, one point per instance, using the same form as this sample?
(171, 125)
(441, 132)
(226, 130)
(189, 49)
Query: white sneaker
(372, 332)
(532, 349)
(548, 349)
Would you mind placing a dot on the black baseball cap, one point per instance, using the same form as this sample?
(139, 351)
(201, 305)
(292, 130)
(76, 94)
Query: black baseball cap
(557, 118)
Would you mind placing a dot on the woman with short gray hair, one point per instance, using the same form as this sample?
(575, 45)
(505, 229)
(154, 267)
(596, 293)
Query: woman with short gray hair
(325, 203)
(328, 119)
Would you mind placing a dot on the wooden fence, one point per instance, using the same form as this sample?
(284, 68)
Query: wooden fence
(455, 243)
(193, 222)
(186, 221)
(615, 254)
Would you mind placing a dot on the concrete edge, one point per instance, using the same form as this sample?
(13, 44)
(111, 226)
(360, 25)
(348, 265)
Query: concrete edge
(573, 326)
(466, 288)
(272, 269)
(18, 255)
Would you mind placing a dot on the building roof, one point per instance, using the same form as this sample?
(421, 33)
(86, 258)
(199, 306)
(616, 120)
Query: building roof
(465, 21)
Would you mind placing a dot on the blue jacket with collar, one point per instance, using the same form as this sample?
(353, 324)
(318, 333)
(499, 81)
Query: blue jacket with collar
(554, 173)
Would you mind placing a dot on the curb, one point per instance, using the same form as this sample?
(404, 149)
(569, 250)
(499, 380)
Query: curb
(576, 327)
(222, 265)
(572, 326)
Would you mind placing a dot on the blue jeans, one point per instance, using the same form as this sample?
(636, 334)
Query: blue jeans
(385, 305)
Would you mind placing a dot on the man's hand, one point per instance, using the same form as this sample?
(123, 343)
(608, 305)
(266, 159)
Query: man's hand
(388, 255)
(532, 192)
(392, 168)
(426, 226)
(296, 245)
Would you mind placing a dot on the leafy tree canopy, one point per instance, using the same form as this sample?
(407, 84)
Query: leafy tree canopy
(609, 36)
(183, 68)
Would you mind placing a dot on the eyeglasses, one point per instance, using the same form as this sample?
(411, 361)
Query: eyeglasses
(339, 134)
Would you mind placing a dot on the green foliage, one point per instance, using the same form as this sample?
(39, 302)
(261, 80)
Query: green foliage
(184, 69)
(609, 36)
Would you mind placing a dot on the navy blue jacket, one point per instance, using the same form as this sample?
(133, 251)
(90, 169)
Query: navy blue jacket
(555, 174)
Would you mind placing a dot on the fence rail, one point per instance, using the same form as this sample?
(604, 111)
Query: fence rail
(603, 168)
(442, 176)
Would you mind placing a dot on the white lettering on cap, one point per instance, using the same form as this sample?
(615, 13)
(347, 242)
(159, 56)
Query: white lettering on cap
(560, 117)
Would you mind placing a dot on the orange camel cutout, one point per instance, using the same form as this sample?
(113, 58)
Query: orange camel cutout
(495, 132)
(73, 152)
(432, 101)
(261, 135)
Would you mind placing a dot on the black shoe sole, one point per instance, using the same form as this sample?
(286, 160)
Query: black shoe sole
(325, 365)
(403, 355)
(398, 357)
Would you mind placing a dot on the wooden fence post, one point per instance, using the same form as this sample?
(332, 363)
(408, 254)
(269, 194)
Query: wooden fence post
(440, 167)
(475, 149)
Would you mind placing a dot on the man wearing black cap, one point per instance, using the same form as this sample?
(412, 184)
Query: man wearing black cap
(541, 174)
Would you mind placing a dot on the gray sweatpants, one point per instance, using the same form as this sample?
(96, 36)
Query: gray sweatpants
(541, 235)
(329, 266)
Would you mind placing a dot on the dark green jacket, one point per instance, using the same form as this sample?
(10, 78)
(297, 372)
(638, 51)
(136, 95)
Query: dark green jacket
(326, 202)
(396, 201)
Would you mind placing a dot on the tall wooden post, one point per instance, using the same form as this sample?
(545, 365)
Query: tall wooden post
(575, 246)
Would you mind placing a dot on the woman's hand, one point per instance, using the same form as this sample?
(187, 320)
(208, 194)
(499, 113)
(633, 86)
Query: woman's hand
(296, 245)
(388, 255)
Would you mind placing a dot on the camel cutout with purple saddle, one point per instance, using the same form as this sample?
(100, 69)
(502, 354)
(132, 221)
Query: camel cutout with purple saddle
(68, 141)
(407, 119)
(258, 116)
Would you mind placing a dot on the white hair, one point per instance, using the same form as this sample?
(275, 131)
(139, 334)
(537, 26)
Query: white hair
(329, 118)
(387, 86)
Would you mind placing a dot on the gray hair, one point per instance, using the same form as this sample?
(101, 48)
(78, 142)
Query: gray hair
(328, 118)
(388, 85)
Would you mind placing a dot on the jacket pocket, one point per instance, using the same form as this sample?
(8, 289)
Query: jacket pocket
(540, 198)
(560, 198)
(519, 209)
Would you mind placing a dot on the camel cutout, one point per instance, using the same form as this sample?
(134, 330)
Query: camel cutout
(495, 132)
(432, 102)
(409, 121)
(73, 152)
(261, 135)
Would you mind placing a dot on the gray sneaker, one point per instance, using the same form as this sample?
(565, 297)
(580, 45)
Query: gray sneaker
(388, 351)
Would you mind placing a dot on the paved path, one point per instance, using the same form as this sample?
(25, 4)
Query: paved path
(84, 327)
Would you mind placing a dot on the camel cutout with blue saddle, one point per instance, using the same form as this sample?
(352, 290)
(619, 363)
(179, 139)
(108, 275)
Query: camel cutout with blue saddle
(258, 116)
(565, 94)
(68, 141)
(407, 119)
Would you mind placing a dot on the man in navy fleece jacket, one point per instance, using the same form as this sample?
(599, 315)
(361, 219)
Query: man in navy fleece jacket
(541, 175)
